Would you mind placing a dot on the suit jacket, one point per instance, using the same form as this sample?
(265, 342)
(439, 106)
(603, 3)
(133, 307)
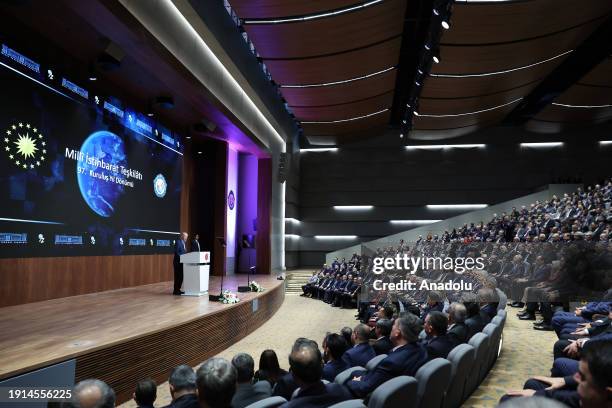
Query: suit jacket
(186, 401)
(474, 324)
(195, 245)
(247, 394)
(438, 346)
(358, 355)
(332, 369)
(318, 395)
(382, 346)
(179, 249)
(490, 310)
(285, 386)
(458, 332)
(405, 360)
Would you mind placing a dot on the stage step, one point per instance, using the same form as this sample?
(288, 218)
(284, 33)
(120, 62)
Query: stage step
(295, 280)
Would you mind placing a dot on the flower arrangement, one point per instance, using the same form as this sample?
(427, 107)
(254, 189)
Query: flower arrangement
(256, 287)
(228, 297)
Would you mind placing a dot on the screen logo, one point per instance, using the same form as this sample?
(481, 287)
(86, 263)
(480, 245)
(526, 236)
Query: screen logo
(160, 186)
(24, 145)
(231, 200)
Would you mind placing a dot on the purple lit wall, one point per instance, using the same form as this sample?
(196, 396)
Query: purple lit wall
(231, 201)
(247, 206)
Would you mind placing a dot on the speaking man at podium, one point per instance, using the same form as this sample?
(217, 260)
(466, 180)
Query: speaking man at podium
(179, 249)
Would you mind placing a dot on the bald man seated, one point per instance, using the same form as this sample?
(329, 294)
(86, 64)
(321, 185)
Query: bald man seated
(93, 394)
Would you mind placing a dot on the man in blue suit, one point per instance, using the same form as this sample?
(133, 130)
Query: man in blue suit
(180, 248)
(406, 358)
(361, 352)
(438, 343)
(306, 368)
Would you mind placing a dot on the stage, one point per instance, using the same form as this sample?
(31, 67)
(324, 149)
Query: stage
(124, 335)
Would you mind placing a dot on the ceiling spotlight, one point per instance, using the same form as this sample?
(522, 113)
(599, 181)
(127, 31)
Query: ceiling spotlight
(445, 24)
(420, 71)
(416, 113)
(199, 152)
(436, 58)
(404, 121)
(187, 137)
(427, 47)
(150, 114)
(401, 135)
(436, 12)
(417, 83)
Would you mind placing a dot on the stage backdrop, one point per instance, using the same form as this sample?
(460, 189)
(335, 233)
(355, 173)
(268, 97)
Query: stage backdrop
(82, 175)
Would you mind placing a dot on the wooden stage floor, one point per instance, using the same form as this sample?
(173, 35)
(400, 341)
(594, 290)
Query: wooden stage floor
(40, 334)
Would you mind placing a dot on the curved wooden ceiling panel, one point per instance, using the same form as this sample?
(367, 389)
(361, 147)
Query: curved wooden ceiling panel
(464, 87)
(355, 126)
(554, 113)
(516, 21)
(248, 9)
(341, 93)
(336, 68)
(331, 35)
(458, 105)
(601, 75)
(345, 111)
(457, 59)
(586, 95)
(492, 116)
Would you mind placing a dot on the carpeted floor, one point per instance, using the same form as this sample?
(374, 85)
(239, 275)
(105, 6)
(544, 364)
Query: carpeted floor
(525, 352)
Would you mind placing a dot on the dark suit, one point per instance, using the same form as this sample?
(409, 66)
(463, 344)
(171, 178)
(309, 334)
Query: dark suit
(186, 401)
(318, 395)
(284, 387)
(195, 245)
(179, 249)
(490, 310)
(475, 324)
(332, 369)
(459, 333)
(405, 360)
(358, 355)
(382, 345)
(248, 393)
(439, 346)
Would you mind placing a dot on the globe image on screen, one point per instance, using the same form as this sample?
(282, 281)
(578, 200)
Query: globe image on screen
(101, 195)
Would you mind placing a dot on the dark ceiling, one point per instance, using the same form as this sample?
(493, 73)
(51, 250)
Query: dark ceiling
(539, 63)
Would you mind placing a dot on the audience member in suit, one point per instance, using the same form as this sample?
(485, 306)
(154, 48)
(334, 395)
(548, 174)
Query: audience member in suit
(216, 381)
(247, 392)
(269, 369)
(457, 329)
(489, 303)
(361, 352)
(474, 321)
(182, 384)
(434, 302)
(347, 333)
(405, 358)
(306, 365)
(438, 343)
(590, 387)
(383, 344)
(195, 243)
(145, 393)
(334, 347)
(92, 393)
(180, 248)
(285, 386)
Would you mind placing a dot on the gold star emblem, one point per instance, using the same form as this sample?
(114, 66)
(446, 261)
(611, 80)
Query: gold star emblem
(24, 145)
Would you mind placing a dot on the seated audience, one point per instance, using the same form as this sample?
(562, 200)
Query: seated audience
(334, 347)
(93, 394)
(406, 357)
(474, 321)
(182, 384)
(145, 393)
(216, 381)
(361, 352)
(382, 345)
(438, 343)
(248, 392)
(269, 369)
(306, 365)
(457, 329)
(347, 333)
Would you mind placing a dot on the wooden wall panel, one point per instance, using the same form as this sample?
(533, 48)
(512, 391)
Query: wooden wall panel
(26, 280)
(156, 354)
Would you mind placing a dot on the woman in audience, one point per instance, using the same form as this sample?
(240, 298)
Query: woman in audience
(269, 368)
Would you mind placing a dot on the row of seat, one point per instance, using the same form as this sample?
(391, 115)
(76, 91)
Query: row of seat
(439, 383)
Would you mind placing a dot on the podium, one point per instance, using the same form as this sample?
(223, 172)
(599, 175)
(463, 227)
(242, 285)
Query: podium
(196, 269)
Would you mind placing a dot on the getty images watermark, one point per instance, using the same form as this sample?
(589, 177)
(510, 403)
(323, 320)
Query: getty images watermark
(402, 263)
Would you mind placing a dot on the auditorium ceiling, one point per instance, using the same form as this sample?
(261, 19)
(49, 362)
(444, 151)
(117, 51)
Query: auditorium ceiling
(348, 68)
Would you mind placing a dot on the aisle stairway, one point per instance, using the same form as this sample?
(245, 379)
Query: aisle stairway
(295, 280)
